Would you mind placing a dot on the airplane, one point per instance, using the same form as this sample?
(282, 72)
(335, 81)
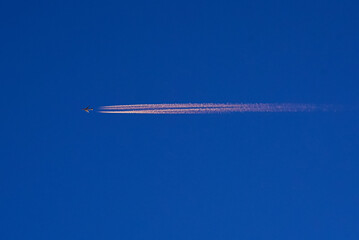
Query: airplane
(87, 109)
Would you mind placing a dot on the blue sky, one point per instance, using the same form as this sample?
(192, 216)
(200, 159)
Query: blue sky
(66, 174)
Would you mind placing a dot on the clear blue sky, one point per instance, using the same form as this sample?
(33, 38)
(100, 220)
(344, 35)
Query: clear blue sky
(66, 174)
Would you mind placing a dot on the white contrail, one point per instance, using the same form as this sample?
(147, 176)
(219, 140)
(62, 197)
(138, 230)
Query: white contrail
(205, 108)
(170, 105)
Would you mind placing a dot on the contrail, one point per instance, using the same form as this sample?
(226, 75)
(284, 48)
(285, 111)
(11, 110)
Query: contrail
(207, 108)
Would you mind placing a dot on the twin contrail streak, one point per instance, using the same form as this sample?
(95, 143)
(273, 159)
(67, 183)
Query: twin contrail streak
(207, 108)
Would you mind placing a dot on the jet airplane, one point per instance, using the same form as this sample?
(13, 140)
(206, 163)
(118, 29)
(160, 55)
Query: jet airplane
(87, 109)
